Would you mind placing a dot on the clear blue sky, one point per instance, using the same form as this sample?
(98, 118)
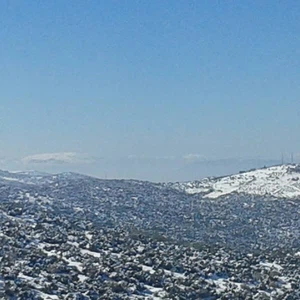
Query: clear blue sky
(126, 85)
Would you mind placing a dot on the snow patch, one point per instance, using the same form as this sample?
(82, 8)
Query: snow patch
(278, 181)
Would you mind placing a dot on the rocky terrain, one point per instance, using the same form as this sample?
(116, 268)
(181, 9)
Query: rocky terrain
(70, 236)
(279, 181)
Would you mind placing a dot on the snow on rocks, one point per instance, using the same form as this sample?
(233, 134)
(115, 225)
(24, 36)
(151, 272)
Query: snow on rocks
(279, 181)
(165, 244)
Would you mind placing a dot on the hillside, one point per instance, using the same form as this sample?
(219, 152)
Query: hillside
(70, 236)
(278, 181)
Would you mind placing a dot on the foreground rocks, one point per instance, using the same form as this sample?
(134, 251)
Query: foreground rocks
(74, 237)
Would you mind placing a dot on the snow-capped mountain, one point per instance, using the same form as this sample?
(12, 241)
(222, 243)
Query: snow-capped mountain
(278, 181)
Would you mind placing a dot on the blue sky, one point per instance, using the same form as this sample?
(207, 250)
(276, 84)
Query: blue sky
(146, 89)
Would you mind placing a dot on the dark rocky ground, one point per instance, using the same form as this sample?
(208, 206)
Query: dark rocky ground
(76, 237)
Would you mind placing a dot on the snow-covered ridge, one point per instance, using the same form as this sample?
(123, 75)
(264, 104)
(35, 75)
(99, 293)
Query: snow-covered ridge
(37, 178)
(278, 181)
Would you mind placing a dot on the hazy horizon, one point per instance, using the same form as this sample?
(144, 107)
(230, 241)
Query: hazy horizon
(154, 169)
(149, 90)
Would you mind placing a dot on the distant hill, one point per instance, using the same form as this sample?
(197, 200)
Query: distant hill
(278, 181)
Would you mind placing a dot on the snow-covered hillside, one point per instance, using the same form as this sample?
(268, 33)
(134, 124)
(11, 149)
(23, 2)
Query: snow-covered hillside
(70, 236)
(278, 181)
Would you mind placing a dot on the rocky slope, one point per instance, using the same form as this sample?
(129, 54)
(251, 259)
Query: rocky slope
(278, 181)
(70, 236)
